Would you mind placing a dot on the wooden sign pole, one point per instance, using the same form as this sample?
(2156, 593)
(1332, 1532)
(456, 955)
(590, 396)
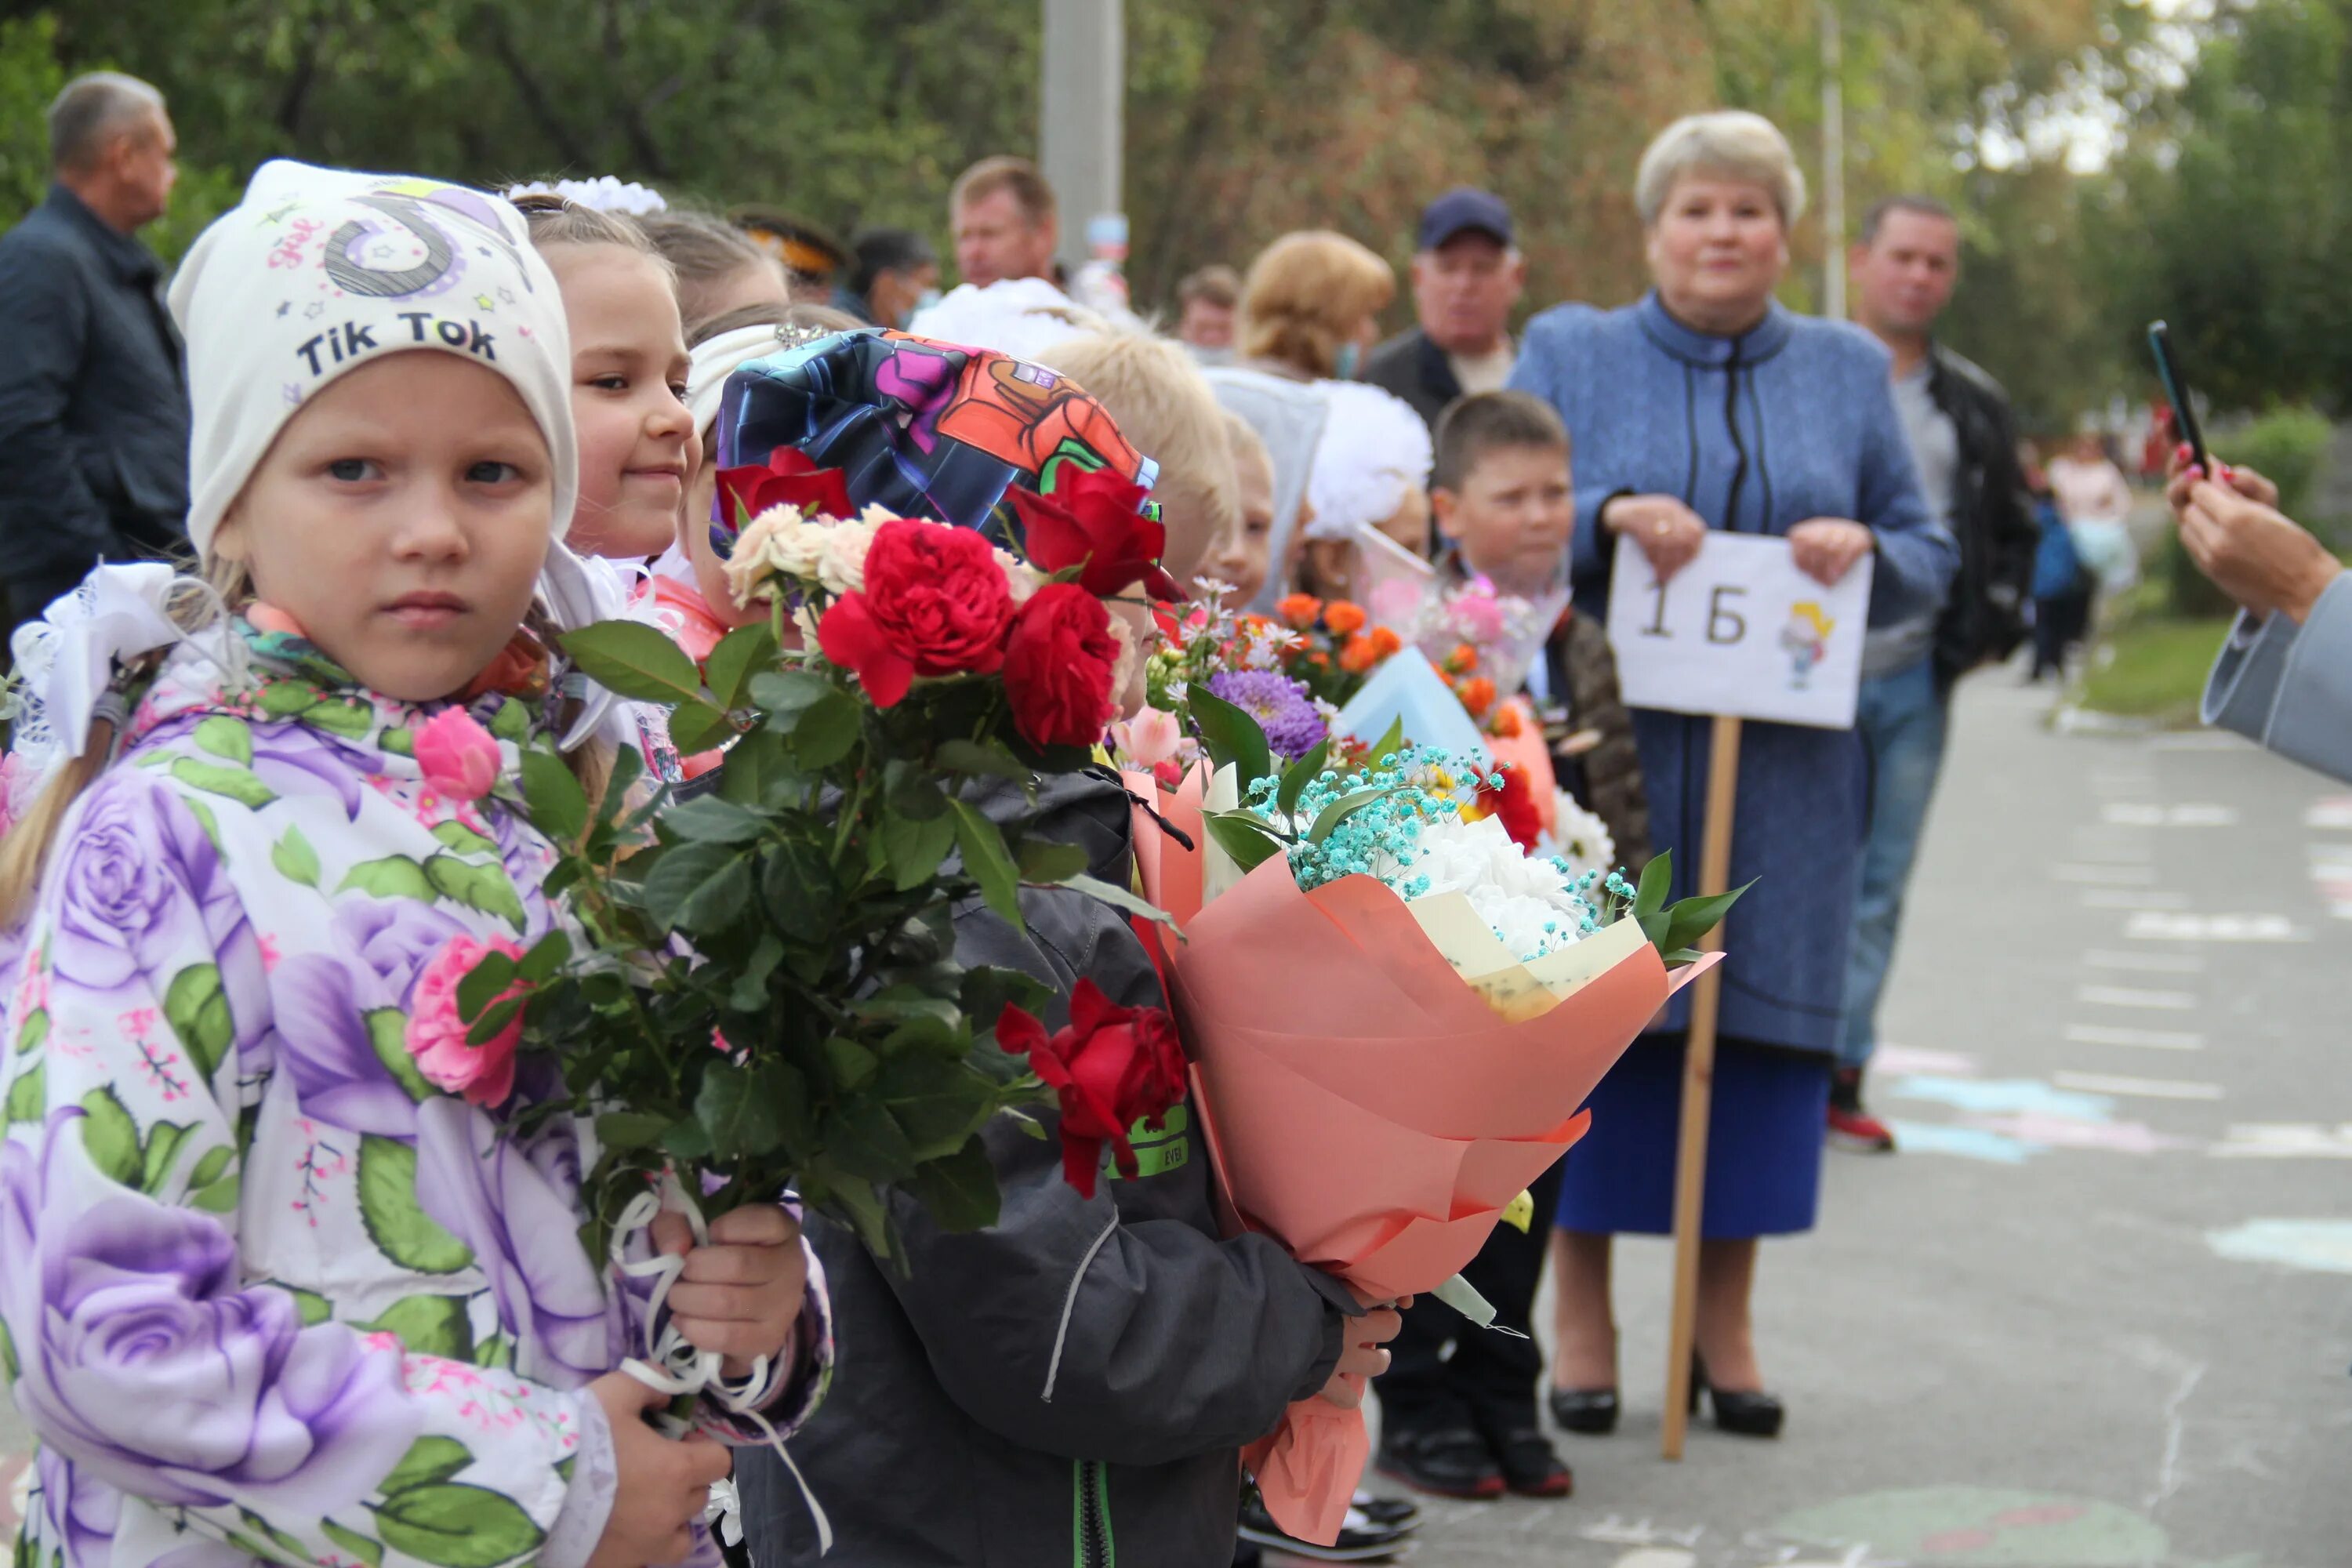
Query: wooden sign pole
(1698, 1088)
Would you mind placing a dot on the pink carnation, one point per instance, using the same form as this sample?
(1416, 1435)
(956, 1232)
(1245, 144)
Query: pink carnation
(435, 1035)
(459, 758)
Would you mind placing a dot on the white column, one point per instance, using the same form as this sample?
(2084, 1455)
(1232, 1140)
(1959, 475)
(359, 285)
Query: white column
(1082, 118)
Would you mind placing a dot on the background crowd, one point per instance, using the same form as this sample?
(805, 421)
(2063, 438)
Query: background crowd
(1500, 446)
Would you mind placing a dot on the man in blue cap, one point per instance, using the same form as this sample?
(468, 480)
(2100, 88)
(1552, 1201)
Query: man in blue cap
(1466, 277)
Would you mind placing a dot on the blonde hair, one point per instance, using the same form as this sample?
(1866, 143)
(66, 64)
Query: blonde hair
(1730, 143)
(1305, 293)
(25, 849)
(1162, 404)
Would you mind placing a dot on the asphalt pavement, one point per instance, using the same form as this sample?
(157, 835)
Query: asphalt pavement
(2098, 1309)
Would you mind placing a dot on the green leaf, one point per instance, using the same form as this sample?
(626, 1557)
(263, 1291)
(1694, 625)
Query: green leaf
(1041, 860)
(498, 1351)
(455, 835)
(484, 887)
(697, 887)
(988, 987)
(796, 884)
(863, 1140)
(28, 1096)
(741, 654)
(959, 1193)
(310, 1307)
(388, 1034)
(219, 1197)
(342, 717)
(33, 1031)
(853, 1065)
(352, 1543)
(393, 876)
(197, 1009)
(1656, 878)
(698, 727)
(740, 1124)
(1690, 918)
(226, 737)
(492, 973)
(912, 794)
(986, 861)
(1120, 898)
(401, 741)
(754, 763)
(630, 1129)
(970, 757)
(295, 859)
(511, 722)
(208, 821)
(209, 1168)
(1340, 810)
(428, 1325)
(110, 1136)
(1389, 743)
(557, 803)
(708, 819)
(827, 729)
(395, 1221)
(632, 659)
(936, 1104)
(1231, 735)
(219, 778)
(493, 1022)
(1244, 836)
(163, 1153)
(628, 766)
(8, 1363)
(915, 848)
(290, 1550)
(1297, 776)
(750, 993)
(547, 956)
(286, 698)
(781, 693)
(428, 1462)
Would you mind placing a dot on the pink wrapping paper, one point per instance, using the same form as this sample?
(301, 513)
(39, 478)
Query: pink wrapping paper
(1359, 1101)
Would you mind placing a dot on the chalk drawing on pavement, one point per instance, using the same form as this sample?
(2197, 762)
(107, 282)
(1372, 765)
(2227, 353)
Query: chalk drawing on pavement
(1978, 1527)
(2002, 1096)
(1912, 1059)
(2141, 814)
(1962, 1143)
(2330, 812)
(2284, 1140)
(2313, 1246)
(2160, 925)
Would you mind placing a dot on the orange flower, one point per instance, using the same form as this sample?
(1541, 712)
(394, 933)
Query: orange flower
(1462, 660)
(1384, 642)
(1299, 609)
(1506, 725)
(1343, 618)
(1319, 659)
(1477, 695)
(1358, 656)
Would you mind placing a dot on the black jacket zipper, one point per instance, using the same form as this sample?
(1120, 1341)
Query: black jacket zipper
(1090, 1525)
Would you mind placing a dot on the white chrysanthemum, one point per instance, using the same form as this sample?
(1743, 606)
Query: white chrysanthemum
(1529, 904)
(1584, 840)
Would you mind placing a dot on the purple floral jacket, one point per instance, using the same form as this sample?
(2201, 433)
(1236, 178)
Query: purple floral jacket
(265, 1291)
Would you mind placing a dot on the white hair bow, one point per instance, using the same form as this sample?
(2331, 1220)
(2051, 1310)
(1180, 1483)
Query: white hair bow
(605, 193)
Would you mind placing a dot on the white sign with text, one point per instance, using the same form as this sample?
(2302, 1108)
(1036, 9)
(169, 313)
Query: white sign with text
(1740, 631)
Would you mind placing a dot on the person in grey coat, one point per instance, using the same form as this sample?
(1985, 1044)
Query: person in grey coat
(2283, 678)
(1071, 1384)
(93, 409)
(1709, 407)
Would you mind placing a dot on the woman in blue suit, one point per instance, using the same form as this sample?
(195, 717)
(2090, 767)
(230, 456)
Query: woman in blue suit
(1709, 405)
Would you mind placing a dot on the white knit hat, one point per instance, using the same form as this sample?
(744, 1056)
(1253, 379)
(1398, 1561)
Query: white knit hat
(320, 270)
(1375, 449)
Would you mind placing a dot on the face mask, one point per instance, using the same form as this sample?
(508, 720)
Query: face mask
(923, 302)
(1346, 368)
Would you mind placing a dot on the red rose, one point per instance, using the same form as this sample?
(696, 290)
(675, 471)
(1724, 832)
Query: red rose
(1094, 517)
(935, 602)
(789, 480)
(1111, 1068)
(1057, 667)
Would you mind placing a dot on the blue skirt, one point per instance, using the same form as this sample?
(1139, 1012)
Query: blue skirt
(1765, 1134)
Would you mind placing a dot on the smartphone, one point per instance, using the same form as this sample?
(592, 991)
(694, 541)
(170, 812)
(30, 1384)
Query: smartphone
(2176, 392)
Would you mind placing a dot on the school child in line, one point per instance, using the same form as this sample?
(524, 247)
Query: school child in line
(1370, 475)
(1073, 1384)
(1244, 566)
(1466, 1425)
(288, 1276)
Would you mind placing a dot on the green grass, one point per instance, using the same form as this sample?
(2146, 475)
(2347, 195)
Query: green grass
(2158, 671)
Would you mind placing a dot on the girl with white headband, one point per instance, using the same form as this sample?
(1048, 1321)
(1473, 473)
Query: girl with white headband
(292, 1271)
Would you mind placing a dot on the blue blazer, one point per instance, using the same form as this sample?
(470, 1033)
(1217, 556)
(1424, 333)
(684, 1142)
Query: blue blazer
(1794, 419)
(2290, 687)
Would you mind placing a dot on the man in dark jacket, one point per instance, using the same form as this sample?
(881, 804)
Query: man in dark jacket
(1466, 277)
(93, 410)
(1071, 1384)
(1961, 434)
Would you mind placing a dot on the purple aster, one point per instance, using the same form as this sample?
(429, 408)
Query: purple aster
(1278, 703)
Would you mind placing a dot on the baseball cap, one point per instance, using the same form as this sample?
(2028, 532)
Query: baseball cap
(1462, 210)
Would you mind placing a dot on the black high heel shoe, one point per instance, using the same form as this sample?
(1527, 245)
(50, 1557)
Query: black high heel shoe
(1748, 1414)
(1590, 1411)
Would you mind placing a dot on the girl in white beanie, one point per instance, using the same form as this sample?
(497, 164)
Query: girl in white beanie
(288, 1254)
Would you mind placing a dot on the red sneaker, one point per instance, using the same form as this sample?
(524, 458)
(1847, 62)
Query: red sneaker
(1859, 1130)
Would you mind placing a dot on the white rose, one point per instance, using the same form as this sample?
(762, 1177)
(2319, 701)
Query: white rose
(841, 566)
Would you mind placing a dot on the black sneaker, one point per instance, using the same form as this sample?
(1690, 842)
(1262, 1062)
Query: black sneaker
(1395, 1512)
(1360, 1540)
(1532, 1467)
(1453, 1462)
